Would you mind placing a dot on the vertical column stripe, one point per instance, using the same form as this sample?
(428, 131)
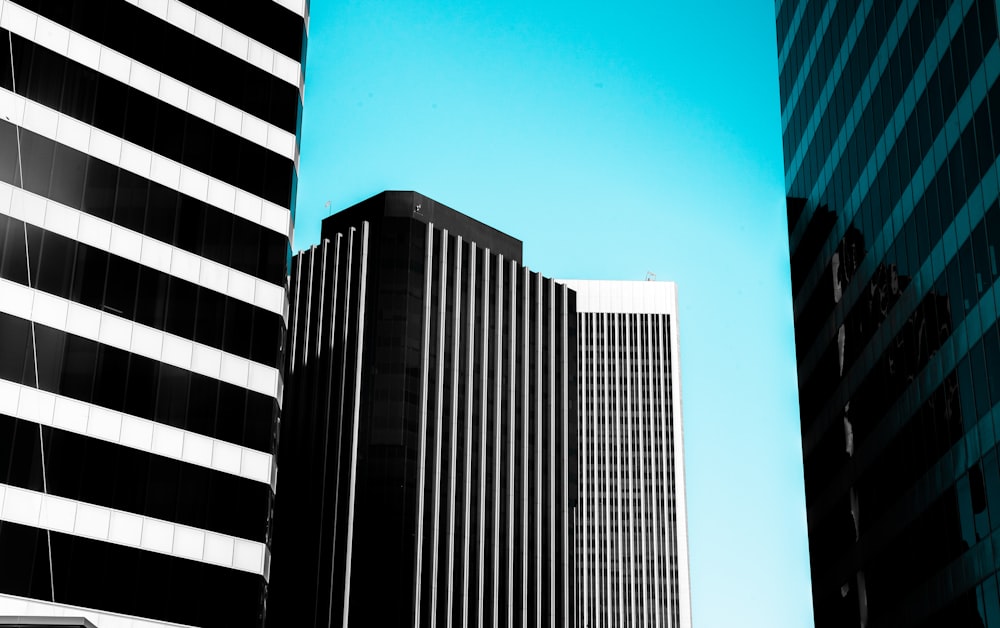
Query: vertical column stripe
(327, 406)
(297, 292)
(320, 319)
(456, 338)
(308, 308)
(656, 485)
(511, 440)
(552, 453)
(538, 420)
(438, 421)
(525, 421)
(469, 423)
(422, 466)
(483, 432)
(564, 451)
(497, 439)
(355, 415)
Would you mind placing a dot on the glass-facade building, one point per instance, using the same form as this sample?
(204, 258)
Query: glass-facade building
(630, 523)
(890, 114)
(428, 441)
(148, 155)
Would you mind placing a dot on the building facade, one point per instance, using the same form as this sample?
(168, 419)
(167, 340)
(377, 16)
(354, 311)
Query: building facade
(630, 524)
(147, 174)
(429, 438)
(890, 115)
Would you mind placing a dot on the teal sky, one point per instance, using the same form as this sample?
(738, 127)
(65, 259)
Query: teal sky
(612, 139)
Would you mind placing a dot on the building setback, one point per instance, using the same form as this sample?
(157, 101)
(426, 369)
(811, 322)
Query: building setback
(147, 175)
(891, 130)
(428, 441)
(630, 524)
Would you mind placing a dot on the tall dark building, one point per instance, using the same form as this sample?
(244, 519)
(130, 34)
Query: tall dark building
(630, 524)
(429, 435)
(891, 130)
(147, 173)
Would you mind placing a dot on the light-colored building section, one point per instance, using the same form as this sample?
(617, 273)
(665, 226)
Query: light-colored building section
(630, 523)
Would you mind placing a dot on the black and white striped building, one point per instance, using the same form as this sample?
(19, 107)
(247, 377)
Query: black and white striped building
(428, 442)
(148, 155)
(630, 524)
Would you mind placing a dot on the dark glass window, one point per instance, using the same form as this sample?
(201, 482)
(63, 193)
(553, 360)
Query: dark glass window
(136, 203)
(77, 271)
(108, 474)
(153, 124)
(131, 383)
(125, 580)
(180, 55)
(263, 20)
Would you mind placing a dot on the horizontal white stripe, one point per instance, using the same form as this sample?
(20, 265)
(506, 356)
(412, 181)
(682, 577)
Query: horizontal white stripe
(107, 236)
(623, 297)
(69, 516)
(45, 408)
(111, 63)
(298, 7)
(212, 31)
(12, 605)
(115, 331)
(145, 163)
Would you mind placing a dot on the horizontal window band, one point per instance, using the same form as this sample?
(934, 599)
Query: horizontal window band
(125, 156)
(815, 37)
(861, 110)
(104, 103)
(876, 100)
(84, 369)
(175, 53)
(103, 280)
(105, 236)
(37, 406)
(69, 191)
(78, 518)
(875, 174)
(814, 109)
(111, 560)
(16, 605)
(264, 20)
(967, 232)
(940, 366)
(131, 480)
(93, 57)
(223, 36)
(789, 35)
(114, 330)
(926, 193)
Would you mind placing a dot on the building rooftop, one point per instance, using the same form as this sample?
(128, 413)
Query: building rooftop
(409, 204)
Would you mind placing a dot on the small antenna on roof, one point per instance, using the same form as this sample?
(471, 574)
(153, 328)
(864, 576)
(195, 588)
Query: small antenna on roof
(650, 275)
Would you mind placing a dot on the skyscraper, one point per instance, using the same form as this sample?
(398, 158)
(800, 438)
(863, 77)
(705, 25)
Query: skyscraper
(147, 174)
(630, 524)
(428, 441)
(890, 114)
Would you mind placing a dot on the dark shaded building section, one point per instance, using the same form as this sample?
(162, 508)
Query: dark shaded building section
(890, 133)
(428, 439)
(147, 184)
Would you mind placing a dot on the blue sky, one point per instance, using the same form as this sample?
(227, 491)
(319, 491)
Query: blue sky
(612, 139)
